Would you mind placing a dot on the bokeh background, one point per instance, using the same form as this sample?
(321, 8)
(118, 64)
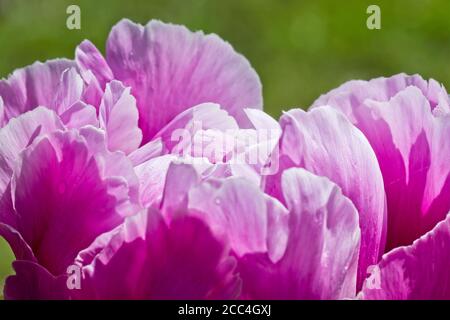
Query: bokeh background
(299, 48)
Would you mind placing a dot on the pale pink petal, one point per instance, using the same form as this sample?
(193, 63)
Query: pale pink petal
(119, 117)
(68, 92)
(419, 271)
(148, 151)
(261, 120)
(351, 95)
(93, 91)
(18, 134)
(152, 178)
(79, 115)
(321, 258)
(324, 142)
(32, 86)
(89, 59)
(252, 221)
(181, 130)
(171, 69)
(180, 178)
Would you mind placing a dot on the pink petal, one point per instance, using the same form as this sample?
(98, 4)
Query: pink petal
(351, 95)
(64, 197)
(252, 221)
(79, 115)
(181, 130)
(419, 271)
(20, 248)
(89, 59)
(119, 117)
(171, 69)
(32, 86)
(321, 257)
(33, 282)
(69, 91)
(324, 142)
(148, 151)
(152, 177)
(180, 260)
(413, 149)
(18, 134)
(2, 113)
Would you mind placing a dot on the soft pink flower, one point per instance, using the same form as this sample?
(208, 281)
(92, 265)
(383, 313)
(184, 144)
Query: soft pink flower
(171, 69)
(407, 122)
(325, 143)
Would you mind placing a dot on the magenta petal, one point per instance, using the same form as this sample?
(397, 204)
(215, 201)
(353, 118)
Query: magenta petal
(119, 117)
(32, 86)
(182, 260)
(321, 258)
(33, 282)
(324, 142)
(20, 248)
(413, 149)
(65, 196)
(194, 68)
(419, 271)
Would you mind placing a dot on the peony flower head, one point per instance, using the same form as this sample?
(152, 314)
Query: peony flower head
(153, 173)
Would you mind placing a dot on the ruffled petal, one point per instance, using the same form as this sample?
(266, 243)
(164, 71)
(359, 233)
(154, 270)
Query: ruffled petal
(413, 149)
(64, 196)
(18, 134)
(351, 95)
(180, 260)
(416, 272)
(178, 135)
(90, 60)
(236, 208)
(209, 70)
(321, 258)
(152, 178)
(32, 86)
(148, 151)
(79, 115)
(69, 91)
(119, 117)
(324, 142)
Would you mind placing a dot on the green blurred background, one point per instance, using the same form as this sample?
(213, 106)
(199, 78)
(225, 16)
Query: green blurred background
(299, 48)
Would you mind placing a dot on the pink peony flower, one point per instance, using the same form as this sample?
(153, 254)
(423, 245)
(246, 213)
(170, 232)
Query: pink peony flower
(407, 122)
(143, 175)
(67, 131)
